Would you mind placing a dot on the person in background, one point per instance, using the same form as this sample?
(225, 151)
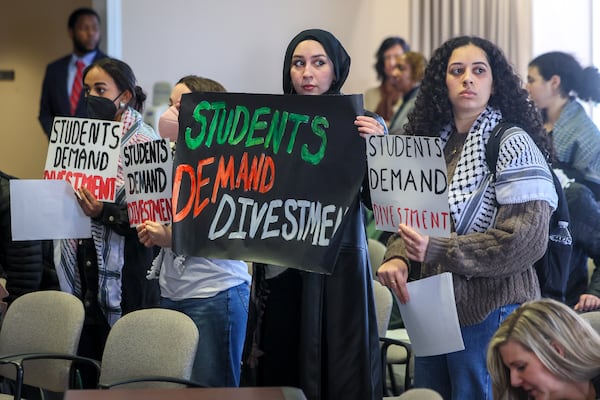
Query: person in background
(108, 271)
(314, 331)
(555, 81)
(582, 292)
(409, 73)
(62, 91)
(213, 292)
(544, 350)
(499, 225)
(590, 300)
(25, 266)
(385, 99)
(406, 75)
(168, 123)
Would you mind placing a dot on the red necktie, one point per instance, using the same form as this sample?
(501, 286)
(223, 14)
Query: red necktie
(77, 85)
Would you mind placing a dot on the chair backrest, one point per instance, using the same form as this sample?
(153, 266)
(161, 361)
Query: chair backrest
(593, 317)
(383, 306)
(419, 394)
(47, 321)
(150, 342)
(376, 253)
(292, 393)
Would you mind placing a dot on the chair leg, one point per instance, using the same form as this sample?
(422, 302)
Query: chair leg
(383, 358)
(407, 380)
(19, 382)
(393, 383)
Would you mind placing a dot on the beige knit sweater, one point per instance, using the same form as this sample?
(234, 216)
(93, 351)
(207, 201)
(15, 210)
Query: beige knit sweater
(490, 269)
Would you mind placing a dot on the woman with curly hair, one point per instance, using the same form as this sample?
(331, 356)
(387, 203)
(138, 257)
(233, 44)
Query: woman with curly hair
(499, 223)
(545, 350)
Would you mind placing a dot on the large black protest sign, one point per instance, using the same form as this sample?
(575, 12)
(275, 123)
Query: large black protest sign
(265, 178)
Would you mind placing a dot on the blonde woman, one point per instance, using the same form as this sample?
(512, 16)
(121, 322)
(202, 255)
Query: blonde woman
(544, 350)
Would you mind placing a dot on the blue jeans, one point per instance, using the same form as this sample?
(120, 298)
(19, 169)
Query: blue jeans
(221, 322)
(463, 374)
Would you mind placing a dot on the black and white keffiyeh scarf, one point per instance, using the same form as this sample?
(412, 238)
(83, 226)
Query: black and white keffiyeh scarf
(522, 175)
(109, 245)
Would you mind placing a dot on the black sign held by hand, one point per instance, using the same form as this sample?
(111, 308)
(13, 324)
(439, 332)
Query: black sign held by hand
(266, 178)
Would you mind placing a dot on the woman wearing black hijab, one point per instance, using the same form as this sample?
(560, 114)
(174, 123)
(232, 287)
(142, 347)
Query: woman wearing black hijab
(313, 331)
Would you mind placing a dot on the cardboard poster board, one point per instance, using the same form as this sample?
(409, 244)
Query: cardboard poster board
(266, 178)
(408, 183)
(85, 152)
(148, 174)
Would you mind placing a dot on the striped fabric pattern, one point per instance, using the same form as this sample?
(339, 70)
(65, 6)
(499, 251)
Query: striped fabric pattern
(109, 245)
(77, 86)
(522, 175)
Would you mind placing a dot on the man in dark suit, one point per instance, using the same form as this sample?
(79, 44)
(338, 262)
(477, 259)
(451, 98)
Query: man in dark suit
(84, 31)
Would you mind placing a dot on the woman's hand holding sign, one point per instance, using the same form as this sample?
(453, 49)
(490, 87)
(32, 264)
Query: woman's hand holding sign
(152, 233)
(414, 242)
(90, 205)
(394, 272)
(369, 126)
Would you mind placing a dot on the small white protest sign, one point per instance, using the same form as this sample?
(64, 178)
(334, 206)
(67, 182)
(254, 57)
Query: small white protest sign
(148, 174)
(85, 152)
(408, 183)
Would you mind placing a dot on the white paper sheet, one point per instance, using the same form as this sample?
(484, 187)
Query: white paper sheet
(430, 316)
(46, 209)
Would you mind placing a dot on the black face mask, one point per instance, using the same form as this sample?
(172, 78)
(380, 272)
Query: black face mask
(101, 107)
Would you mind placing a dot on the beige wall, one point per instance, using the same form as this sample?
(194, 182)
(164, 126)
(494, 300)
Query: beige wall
(31, 34)
(237, 42)
(163, 40)
(241, 43)
(575, 19)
